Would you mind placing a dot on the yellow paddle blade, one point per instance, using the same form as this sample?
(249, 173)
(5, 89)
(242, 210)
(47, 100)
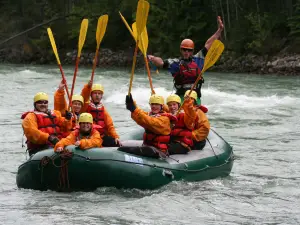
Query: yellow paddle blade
(143, 43)
(213, 54)
(141, 16)
(134, 31)
(82, 35)
(126, 24)
(144, 39)
(101, 28)
(53, 44)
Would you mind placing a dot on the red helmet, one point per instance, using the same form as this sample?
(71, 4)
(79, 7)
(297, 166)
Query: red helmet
(187, 43)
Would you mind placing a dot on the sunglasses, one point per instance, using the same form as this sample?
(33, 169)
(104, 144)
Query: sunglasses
(187, 50)
(42, 102)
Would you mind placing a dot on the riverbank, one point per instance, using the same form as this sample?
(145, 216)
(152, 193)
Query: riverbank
(284, 64)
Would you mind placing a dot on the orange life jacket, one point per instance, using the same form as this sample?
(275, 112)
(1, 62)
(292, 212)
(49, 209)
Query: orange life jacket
(47, 123)
(97, 112)
(180, 132)
(157, 140)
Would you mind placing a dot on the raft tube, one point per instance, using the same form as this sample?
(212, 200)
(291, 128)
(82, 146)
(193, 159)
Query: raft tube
(114, 167)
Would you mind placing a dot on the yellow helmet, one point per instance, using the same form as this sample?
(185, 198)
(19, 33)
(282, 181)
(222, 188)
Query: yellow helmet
(156, 99)
(85, 118)
(77, 98)
(98, 87)
(40, 96)
(192, 95)
(174, 98)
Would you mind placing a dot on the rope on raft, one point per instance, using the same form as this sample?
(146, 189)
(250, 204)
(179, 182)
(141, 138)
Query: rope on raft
(64, 156)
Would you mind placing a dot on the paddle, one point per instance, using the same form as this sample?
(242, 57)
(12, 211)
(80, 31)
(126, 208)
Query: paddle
(82, 35)
(57, 58)
(141, 20)
(134, 35)
(126, 24)
(211, 58)
(101, 28)
(143, 45)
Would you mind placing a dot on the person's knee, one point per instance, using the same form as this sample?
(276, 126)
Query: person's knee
(109, 141)
(199, 145)
(177, 148)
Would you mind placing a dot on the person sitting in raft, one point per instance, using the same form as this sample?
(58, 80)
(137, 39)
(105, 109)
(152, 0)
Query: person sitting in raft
(85, 136)
(187, 68)
(100, 115)
(156, 123)
(42, 127)
(202, 126)
(61, 105)
(181, 134)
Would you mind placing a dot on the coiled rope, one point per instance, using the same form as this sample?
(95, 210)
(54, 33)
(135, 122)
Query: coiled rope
(64, 156)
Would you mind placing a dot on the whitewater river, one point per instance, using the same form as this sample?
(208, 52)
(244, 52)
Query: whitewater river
(257, 115)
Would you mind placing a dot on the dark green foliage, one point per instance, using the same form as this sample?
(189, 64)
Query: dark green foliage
(294, 24)
(260, 26)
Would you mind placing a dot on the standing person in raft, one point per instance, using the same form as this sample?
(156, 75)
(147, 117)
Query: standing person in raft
(42, 127)
(100, 115)
(181, 134)
(187, 68)
(85, 136)
(60, 104)
(157, 123)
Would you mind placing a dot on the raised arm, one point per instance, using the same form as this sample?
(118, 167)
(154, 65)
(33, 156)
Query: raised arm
(60, 103)
(216, 35)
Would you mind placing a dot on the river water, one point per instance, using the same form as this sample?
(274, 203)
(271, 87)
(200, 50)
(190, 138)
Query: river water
(257, 115)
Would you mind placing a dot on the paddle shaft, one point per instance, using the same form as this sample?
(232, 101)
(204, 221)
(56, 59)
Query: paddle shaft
(94, 64)
(194, 85)
(133, 66)
(196, 82)
(64, 80)
(149, 75)
(74, 79)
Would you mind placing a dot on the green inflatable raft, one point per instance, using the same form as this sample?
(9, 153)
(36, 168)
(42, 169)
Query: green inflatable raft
(130, 166)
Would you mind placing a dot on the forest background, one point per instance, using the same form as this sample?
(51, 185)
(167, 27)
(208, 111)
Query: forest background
(260, 35)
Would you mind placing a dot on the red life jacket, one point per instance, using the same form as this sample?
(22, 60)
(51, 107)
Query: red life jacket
(186, 76)
(203, 108)
(187, 73)
(157, 140)
(97, 112)
(47, 123)
(180, 132)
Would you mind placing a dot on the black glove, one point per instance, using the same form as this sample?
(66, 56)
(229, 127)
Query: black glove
(53, 139)
(68, 115)
(129, 103)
